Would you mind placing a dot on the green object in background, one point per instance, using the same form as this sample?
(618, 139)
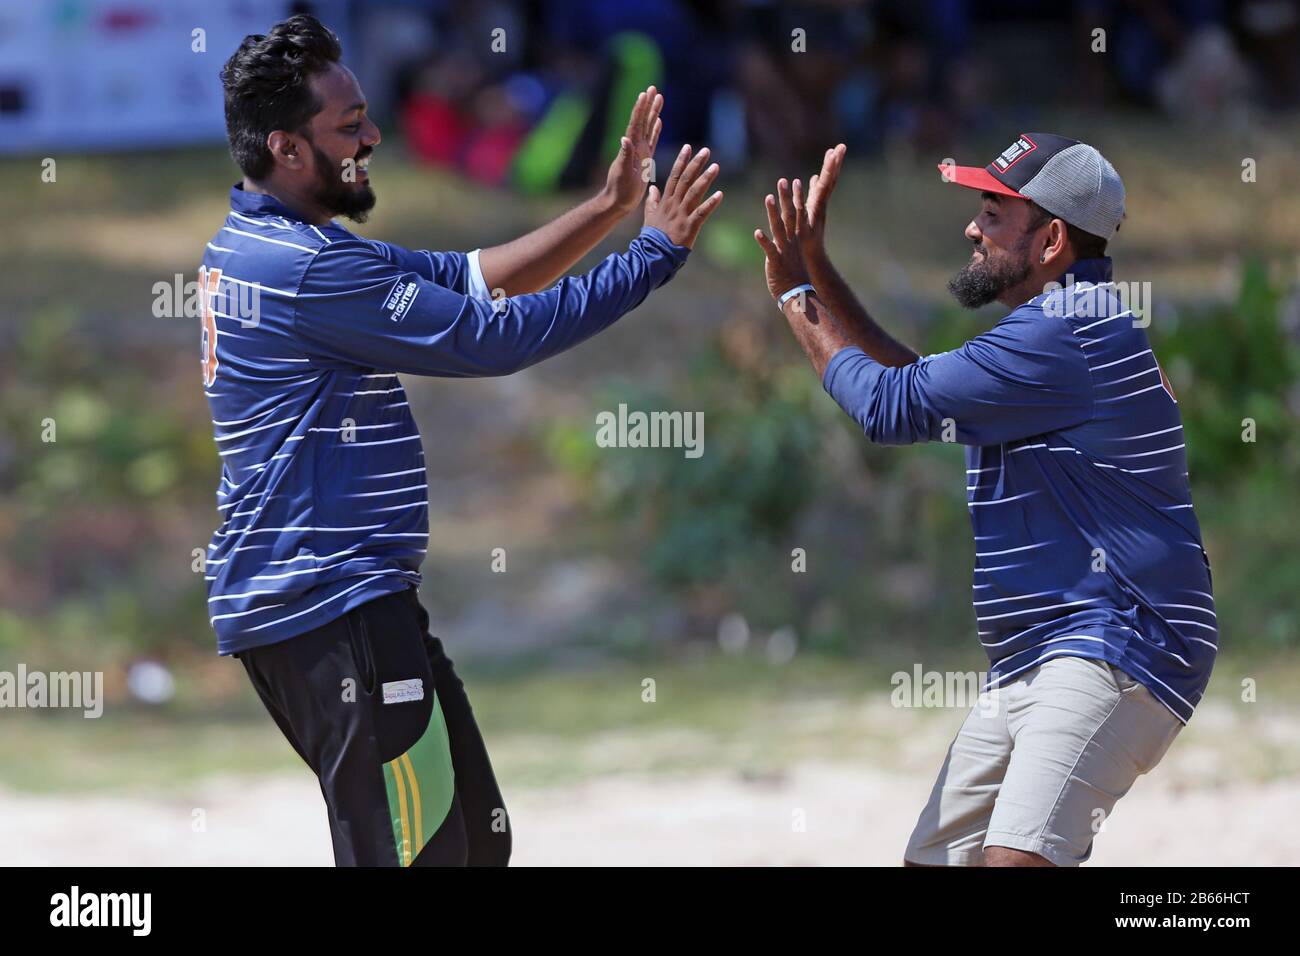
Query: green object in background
(544, 154)
(548, 149)
(637, 64)
(733, 246)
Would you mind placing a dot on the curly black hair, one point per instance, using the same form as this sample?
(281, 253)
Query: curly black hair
(267, 84)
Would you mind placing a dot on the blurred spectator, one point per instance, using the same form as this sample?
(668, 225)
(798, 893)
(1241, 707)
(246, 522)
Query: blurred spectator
(533, 95)
(1269, 35)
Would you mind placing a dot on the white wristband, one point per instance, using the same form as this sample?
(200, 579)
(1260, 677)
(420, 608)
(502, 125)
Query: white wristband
(787, 296)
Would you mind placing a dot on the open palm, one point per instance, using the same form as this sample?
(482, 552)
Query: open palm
(632, 170)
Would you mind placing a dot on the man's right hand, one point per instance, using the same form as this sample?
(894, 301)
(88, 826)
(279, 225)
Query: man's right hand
(680, 210)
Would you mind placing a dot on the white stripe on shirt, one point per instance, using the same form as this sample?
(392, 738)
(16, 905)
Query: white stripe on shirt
(278, 242)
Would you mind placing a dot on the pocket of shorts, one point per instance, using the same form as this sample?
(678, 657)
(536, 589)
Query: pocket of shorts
(1123, 681)
(362, 655)
(1173, 728)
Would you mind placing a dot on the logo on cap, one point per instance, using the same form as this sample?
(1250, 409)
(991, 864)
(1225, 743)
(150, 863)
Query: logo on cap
(1015, 153)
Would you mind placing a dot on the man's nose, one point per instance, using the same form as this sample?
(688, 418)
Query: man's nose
(371, 137)
(973, 232)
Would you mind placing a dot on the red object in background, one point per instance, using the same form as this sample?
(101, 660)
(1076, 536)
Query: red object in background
(440, 134)
(435, 130)
(126, 18)
(490, 153)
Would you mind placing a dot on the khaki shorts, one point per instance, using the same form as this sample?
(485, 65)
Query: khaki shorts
(1039, 763)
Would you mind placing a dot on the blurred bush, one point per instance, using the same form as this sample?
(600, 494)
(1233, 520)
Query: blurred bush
(1232, 361)
(702, 526)
(107, 489)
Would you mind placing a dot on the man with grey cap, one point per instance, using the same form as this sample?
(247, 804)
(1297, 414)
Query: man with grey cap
(1092, 590)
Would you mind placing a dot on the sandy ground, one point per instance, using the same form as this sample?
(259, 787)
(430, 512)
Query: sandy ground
(814, 814)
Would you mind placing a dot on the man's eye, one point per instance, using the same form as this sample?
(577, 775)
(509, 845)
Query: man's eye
(353, 128)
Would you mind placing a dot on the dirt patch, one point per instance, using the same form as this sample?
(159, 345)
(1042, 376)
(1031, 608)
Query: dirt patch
(814, 814)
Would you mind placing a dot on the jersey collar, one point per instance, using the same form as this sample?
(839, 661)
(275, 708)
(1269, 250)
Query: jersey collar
(259, 204)
(1087, 270)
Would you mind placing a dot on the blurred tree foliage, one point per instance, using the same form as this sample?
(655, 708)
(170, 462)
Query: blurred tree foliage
(106, 484)
(704, 523)
(754, 480)
(1233, 361)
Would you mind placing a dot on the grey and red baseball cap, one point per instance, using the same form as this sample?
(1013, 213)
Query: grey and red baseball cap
(1069, 179)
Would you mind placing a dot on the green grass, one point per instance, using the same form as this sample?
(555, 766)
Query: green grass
(547, 725)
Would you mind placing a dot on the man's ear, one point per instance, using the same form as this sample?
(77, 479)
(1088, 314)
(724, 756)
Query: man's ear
(1057, 240)
(286, 150)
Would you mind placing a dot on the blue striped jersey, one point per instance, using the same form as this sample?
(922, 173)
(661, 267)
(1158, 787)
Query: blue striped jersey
(323, 499)
(1086, 542)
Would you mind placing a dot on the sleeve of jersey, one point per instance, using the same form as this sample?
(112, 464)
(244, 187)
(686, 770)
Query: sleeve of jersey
(1025, 376)
(357, 306)
(458, 271)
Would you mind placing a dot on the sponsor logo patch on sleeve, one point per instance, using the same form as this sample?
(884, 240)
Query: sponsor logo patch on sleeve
(400, 298)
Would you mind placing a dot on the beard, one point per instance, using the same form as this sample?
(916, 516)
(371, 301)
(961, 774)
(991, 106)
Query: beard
(339, 198)
(981, 281)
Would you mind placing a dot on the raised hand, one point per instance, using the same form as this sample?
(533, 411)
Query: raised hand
(683, 206)
(788, 221)
(631, 169)
(820, 187)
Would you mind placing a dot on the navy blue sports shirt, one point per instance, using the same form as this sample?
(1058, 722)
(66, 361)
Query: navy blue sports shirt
(1086, 543)
(323, 496)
